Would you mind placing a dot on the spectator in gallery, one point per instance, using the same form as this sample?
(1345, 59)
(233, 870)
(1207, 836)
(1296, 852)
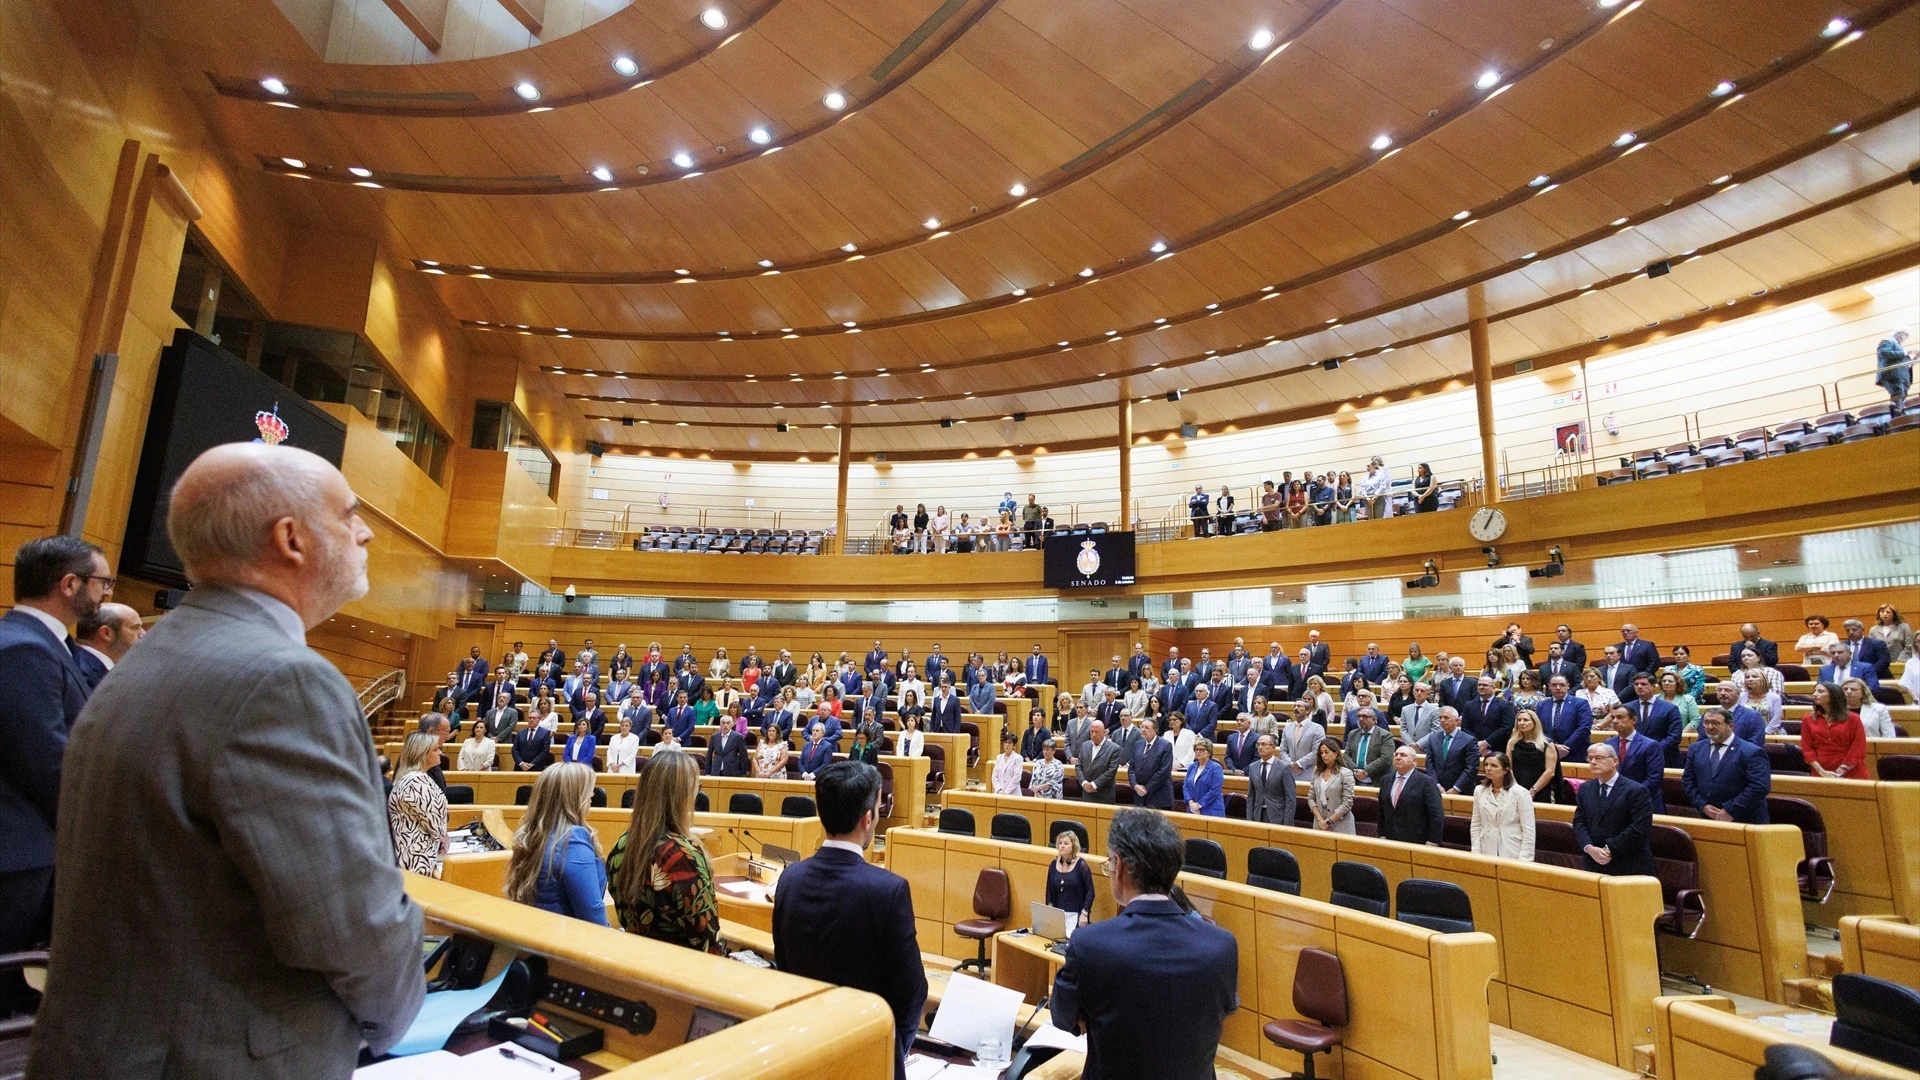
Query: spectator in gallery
(1377, 488)
(942, 529)
(1030, 516)
(1343, 498)
(921, 520)
(1426, 492)
(1223, 512)
(1812, 645)
(1296, 504)
(1893, 368)
(1197, 509)
(1269, 507)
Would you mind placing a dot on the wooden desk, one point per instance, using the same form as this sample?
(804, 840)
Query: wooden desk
(735, 909)
(1024, 962)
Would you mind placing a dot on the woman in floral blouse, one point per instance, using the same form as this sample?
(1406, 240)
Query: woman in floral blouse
(661, 883)
(1049, 776)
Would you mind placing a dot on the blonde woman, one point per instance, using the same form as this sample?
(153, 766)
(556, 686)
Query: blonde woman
(556, 860)
(1502, 813)
(801, 693)
(1533, 758)
(1330, 793)
(719, 667)
(543, 715)
(478, 753)
(416, 809)
(662, 883)
(1875, 717)
(1319, 700)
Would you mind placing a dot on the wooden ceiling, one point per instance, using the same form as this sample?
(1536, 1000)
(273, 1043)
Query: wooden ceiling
(976, 231)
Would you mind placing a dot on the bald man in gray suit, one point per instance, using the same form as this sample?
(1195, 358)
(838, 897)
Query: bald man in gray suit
(228, 902)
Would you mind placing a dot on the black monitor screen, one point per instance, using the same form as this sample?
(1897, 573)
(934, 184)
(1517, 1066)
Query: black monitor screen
(1089, 560)
(204, 396)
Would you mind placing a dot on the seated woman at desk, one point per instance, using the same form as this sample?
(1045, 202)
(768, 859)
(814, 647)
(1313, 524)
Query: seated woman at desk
(662, 883)
(863, 748)
(580, 745)
(477, 754)
(556, 860)
(770, 759)
(1069, 879)
(416, 809)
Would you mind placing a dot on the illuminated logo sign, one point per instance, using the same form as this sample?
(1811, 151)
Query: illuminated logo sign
(273, 430)
(1088, 560)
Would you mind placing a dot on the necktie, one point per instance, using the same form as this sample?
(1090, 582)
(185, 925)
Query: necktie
(1606, 790)
(1719, 754)
(1398, 784)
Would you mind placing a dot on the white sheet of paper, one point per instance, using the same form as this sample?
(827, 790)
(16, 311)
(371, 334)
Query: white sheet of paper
(921, 1067)
(972, 1010)
(1047, 1035)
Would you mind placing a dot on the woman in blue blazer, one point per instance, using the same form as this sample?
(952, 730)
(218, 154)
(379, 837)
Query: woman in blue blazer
(580, 745)
(1204, 782)
(556, 860)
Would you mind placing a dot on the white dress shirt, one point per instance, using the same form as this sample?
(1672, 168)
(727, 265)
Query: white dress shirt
(54, 626)
(108, 660)
(622, 750)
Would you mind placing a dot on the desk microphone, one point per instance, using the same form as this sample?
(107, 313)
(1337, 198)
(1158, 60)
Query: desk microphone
(749, 835)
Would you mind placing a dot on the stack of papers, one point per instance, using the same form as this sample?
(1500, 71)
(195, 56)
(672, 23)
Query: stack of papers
(503, 1062)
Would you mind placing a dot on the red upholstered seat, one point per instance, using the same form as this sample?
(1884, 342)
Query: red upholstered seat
(1303, 1035)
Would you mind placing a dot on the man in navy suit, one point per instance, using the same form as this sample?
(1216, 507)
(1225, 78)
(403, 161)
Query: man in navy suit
(574, 690)
(1453, 687)
(1488, 717)
(1201, 714)
(840, 919)
(1612, 819)
(1453, 757)
(1151, 769)
(1139, 663)
(1170, 667)
(1119, 971)
(680, 718)
(1727, 779)
(1750, 639)
(1575, 653)
(943, 711)
(1243, 745)
(727, 753)
(473, 682)
(1567, 720)
(99, 640)
(1868, 650)
(1637, 652)
(1203, 667)
(1558, 664)
(1637, 757)
(56, 580)
(1841, 665)
(1615, 675)
(1036, 671)
(1241, 698)
(1374, 665)
(1317, 650)
(545, 681)
(1748, 724)
(876, 659)
(1656, 718)
(935, 666)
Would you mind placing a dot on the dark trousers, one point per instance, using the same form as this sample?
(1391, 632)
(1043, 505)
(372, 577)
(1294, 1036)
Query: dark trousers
(26, 917)
(1200, 526)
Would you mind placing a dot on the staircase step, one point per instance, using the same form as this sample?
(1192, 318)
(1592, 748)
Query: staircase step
(1810, 993)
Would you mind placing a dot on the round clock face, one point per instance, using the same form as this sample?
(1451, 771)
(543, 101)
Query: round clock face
(1487, 524)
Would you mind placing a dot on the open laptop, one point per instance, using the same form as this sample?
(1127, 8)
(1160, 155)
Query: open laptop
(1054, 924)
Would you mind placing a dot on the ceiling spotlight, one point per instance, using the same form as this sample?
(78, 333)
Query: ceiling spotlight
(1086, 272)
(1835, 28)
(683, 159)
(1624, 138)
(602, 173)
(1018, 191)
(1618, 221)
(1609, 3)
(1463, 215)
(1158, 246)
(1528, 255)
(766, 262)
(1381, 142)
(760, 136)
(272, 85)
(626, 65)
(849, 322)
(1261, 41)
(1538, 180)
(835, 100)
(1722, 90)
(1488, 79)
(1840, 127)
(359, 172)
(294, 163)
(931, 223)
(848, 247)
(1019, 292)
(527, 91)
(1722, 179)
(713, 19)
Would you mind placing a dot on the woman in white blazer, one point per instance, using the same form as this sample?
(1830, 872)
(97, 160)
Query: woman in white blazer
(1502, 812)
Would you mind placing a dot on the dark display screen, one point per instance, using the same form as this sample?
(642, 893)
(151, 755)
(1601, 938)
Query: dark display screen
(1089, 560)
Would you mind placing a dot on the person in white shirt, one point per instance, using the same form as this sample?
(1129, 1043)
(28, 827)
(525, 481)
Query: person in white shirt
(719, 667)
(477, 754)
(1008, 767)
(1756, 695)
(911, 681)
(1137, 697)
(623, 750)
(1502, 813)
(1376, 487)
(541, 714)
(1598, 698)
(803, 695)
(1182, 741)
(912, 741)
(1875, 717)
(519, 658)
(1094, 692)
(942, 530)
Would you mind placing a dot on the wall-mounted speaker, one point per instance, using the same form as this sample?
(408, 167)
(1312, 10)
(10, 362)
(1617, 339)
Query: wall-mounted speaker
(1332, 364)
(1173, 395)
(595, 449)
(1659, 269)
(1189, 431)
(946, 421)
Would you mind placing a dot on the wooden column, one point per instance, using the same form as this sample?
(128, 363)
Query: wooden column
(840, 493)
(1124, 443)
(1483, 392)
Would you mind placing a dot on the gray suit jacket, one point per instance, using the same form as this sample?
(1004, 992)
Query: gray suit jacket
(1270, 791)
(501, 722)
(1099, 765)
(1417, 722)
(228, 902)
(1078, 736)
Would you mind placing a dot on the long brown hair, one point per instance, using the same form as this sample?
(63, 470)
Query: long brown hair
(558, 803)
(662, 807)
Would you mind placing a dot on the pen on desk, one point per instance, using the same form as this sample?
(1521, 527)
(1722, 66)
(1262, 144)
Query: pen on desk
(511, 1056)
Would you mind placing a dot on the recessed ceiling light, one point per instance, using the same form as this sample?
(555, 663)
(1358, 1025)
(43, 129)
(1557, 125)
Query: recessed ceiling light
(847, 247)
(760, 136)
(1529, 255)
(1333, 321)
(1488, 79)
(284, 104)
(528, 91)
(1161, 319)
(1721, 90)
(1538, 180)
(713, 19)
(1609, 3)
(272, 85)
(766, 262)
(1835, 28)
(1381, 142)
(1112, 333)
(1722, 179)
(626, 65)
(294, 163)
(683, 159)
(1463, 215)
(1019, 292)
(1086, 271)
(834, 100)
(360, 172)
(849, 322)
(1624, 138)
(1158, 246)
(1213, 305)
(932, 223)
(1018, 191)
(1060, 343)
(683, 273)
(1548, 188)
(1261, 41)
(1853, 37)
(1618, 221)
(602, 173)
(1838, 128)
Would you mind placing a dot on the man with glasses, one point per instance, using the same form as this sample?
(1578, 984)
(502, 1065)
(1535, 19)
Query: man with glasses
(57, 581)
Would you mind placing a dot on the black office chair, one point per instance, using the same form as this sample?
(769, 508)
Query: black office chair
(459, 794)
(957, 821)
(1055, 828)
(1011, 827)
(745, 802)
(626, 798)
(1206, 858)
(798, 806)
(1436, 905)
(523, 794)
(1362, 887)
(700, 803)
(1273, 868)
(1877, 1018)
(598, 798)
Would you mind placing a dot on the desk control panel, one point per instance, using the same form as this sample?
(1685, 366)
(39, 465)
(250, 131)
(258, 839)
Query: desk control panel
(635, 1017)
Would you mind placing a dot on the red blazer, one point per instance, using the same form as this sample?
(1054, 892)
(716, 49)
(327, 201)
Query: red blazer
(1834, 745)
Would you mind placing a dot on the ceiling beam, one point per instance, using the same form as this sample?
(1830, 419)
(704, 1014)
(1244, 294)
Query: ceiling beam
(426, 18)
(528, 13)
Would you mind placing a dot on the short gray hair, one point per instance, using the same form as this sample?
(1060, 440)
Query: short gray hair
(1148, 845)
(228, 522)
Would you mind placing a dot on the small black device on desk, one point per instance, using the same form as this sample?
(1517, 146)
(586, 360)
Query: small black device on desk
(549, 1035)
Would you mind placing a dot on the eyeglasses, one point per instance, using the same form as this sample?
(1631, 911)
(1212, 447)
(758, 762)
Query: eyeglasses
(104, 579)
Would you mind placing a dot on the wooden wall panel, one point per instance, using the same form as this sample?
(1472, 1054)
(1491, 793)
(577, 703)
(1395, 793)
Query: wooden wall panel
(498, 512)
(387, 480)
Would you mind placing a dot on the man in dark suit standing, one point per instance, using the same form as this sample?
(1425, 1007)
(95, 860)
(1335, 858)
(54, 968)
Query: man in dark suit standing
(1118, 971)
(1317, 651)
(1488, 717)
(876, 659)
(783, 672)
(1036, 671)
(532, 749)
(840, 919)
(474, 680)
(1201, 714)
(943, 711)
(1271, 791)
(1243, 745)
(1109, 710)
(726, 753)
(1453, 755)
(1842, 665)
(1615, 675)
(1170, 667)
(1566, 720)
(1411, 810)
(1099, 764)
(1139, 663)
(99, 640)
(222, 836)
(1117, 676)
(1750, 640)
(1150, 770)
(502, 717)
(1558, 664)
(1575, 653)
(1612, 819)
(56, 580)
(1522, 643)
(1454, 688)
(1637, 652)
(1656, 718)
(1727, 779)
(1870, 651)
(1636, 757)
(935, 666)
(553, 657)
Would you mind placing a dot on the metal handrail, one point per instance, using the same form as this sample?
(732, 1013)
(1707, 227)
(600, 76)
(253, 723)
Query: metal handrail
(1839, 400)
(382, 691)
